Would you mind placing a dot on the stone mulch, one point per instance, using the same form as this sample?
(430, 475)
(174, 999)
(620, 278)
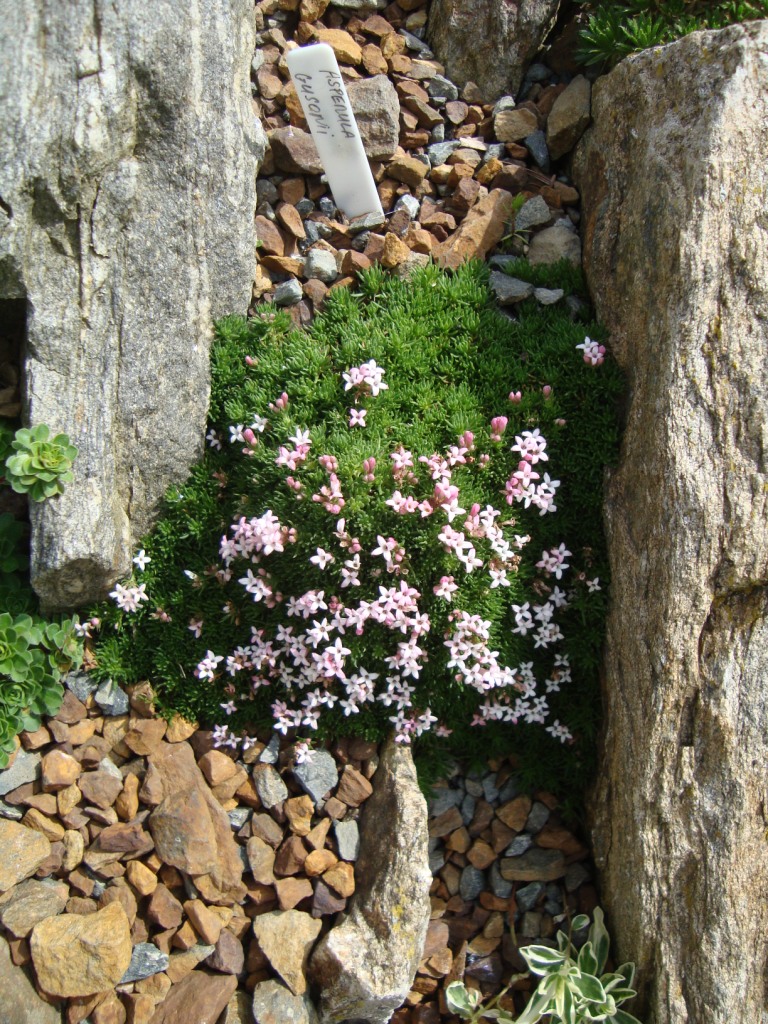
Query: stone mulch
(182, 918)
(447, 164)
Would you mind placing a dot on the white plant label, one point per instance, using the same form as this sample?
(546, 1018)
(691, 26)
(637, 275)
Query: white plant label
(328, 111)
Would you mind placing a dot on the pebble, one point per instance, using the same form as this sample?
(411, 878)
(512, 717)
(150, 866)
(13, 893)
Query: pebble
(347, 834)
(531, 214)
(536, 144)
(112, 699)
(271, 752)
(321, 264)
(288, 293)
(270, 787)
(25, 768)
(442, 799)
(82, 684)
(528, 896)
(472, 883)
(468, 805)
(509, 290)
(518, 845)
(146, 960)
(575, 876)
(317, 776)
(537, 819)
(499, 886)
(490, 792)
(548, 296)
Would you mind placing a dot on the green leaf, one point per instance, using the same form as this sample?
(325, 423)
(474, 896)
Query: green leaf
(622, 1017)
(542, 959)
(538, 1005)
(589, 987)
(461, 1000)
(587, 960)
(598, 936)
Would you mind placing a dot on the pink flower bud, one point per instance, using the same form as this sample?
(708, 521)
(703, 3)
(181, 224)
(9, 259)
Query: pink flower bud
(474, 510)
(546, 390)
(498, 426)
(249, 437)
(515, 396)
(250, 361)
(467, 440)
(560, 423)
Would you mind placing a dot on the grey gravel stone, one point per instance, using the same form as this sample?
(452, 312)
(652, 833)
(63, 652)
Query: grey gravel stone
(499, 886)
(553, 908)
(409, 203)
(321, 264)
(318, 775)
(98, 889)
(538, 73)
(305, 206)
(575, 876)
(273, 1001)
(537, 819)
(436, 857)
(501, 260)
(536, 144)
(112, 699)
(495, 151)
(413, 43)
(368, 222)
(266, 192)
(82, 684)
(440, 152)
(437, 134)
(270, 787)
(313, 231)
(509, 290)
(10, 812)
(518, 845)
(327, 207)
(108, 766)
(146, 960)
(490, 792)
(347, 835)
(442, 86)
(238, 817)
(529, 895)
(472, 882)
(578, 310)
(530, 926)
(532, 214)
(26, 768)
(468, 805)
(504, 103)
(271, 752)
(548, 296)
(509, 790)
(443, 799)
(288, 293)
(473, 786)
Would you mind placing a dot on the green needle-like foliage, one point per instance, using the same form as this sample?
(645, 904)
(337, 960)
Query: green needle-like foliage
(618, 28)
(451, 360)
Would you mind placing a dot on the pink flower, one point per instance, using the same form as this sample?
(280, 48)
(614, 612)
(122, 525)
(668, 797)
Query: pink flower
(357, 417)
(195, 627)
(446, 588)
(498, 426)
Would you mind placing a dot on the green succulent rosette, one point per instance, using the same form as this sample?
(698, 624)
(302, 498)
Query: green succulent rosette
(40, 465)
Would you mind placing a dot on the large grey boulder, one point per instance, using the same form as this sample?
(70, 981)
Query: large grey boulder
(674, 177)
(128, 157)
(364, 967)
(488, 42)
